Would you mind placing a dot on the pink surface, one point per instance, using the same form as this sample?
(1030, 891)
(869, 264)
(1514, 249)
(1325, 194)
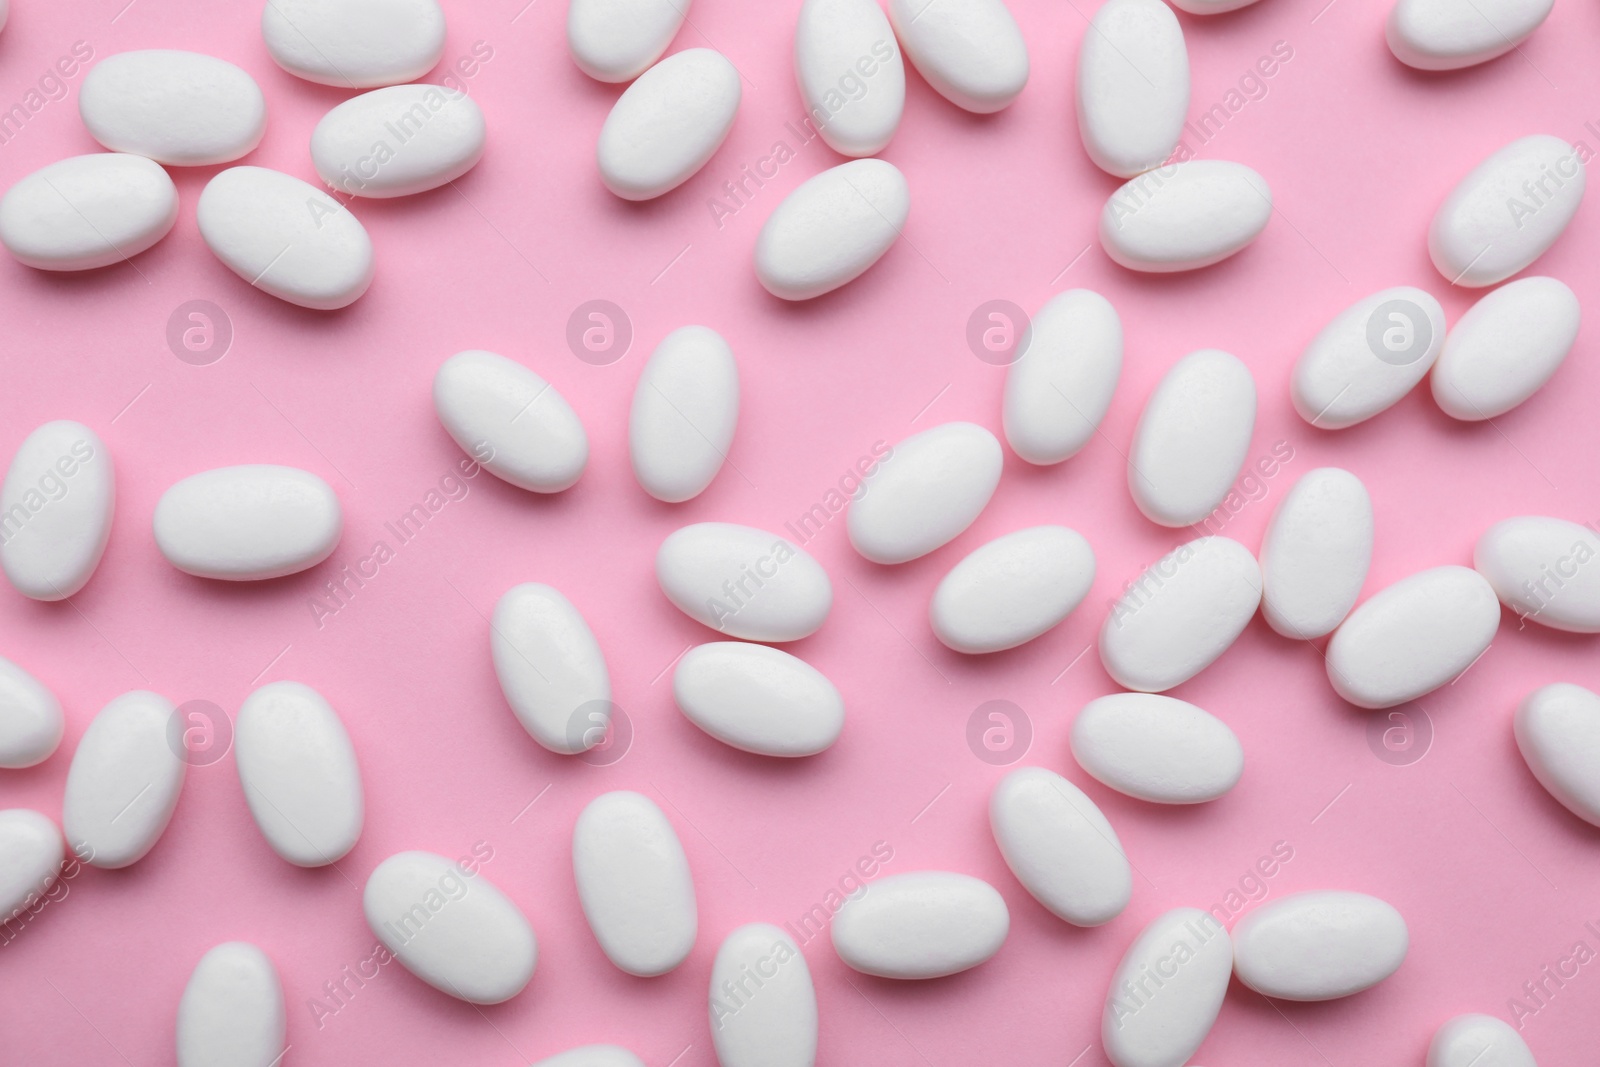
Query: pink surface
(1496, 880)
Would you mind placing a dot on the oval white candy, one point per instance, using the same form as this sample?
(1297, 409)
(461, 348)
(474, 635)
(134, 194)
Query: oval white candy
(232, 1012)
(1368, 357)
(1182, 613)
(744, 582)
(397, 141)
(1507, 212)
(1133, 86)
(925, 924)
(851, 76)
(685, 409)
(55, 510)
(1060, 847)
(1412, 637)
(1144, 1025)
(668, 124)
(617, 40)
(31, 852)
(450, 927)
(1451, 34)
(1539, 568)
(970, 51)
(634, 883)
(354, 44)
(299, 773)
(1319, 945)
(1012, 590)
(1558, 732)
(123, 785)
(88, 211)
(1505, 348)
(1316, 552)
(1192, 438)
(178, 108)
(1060, 387)
(1478, 1041)
(758, 699)
(512, 421)
(1184, 216)
(30, 718)
(248, 522)
(593, 1056)
(778, 1027)
(550, 668)
(828, 231)
(286, 237)
(1157, 748)
(929, 488)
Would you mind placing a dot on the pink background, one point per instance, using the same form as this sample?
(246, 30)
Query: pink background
(1495, 879)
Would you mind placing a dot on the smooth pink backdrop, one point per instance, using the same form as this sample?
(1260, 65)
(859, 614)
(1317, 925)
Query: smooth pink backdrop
(1495, 879)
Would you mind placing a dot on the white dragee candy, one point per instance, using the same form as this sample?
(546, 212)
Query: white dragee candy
(1182, 613)
(31, 852)
(179, 108)
(90, 211)
(1320, 945)
(1133, 86)
(970, 51)
(299, 773)
(1060, 846)
(617, 40)
(668, 124)
(232, 1012)
(1540, 569)
(634, 883)
(250, 522)
(1478, 1041)
(1558, 732)
(1184, 216)
(1451, 34)
(1146, 1024)
(924, 924)
(1368, 358)
(829, 230)
(354, 44)
(286, 237)
(1060, 387)
(593, 1056)
(450, 926)
(1505, 348)
(851, 75)
(685, 409)
(1507, 212)
(758, 699)
(31, 722)
(123, 785)
(744, 582)
(551, 669)
(762, 1004)
(1157, 748)
(1192, 438)
(512, 421)
(928, 489)
(56, 507)
(1013, 589)
(1412, 637)
(1316, 552)
(397, 141)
